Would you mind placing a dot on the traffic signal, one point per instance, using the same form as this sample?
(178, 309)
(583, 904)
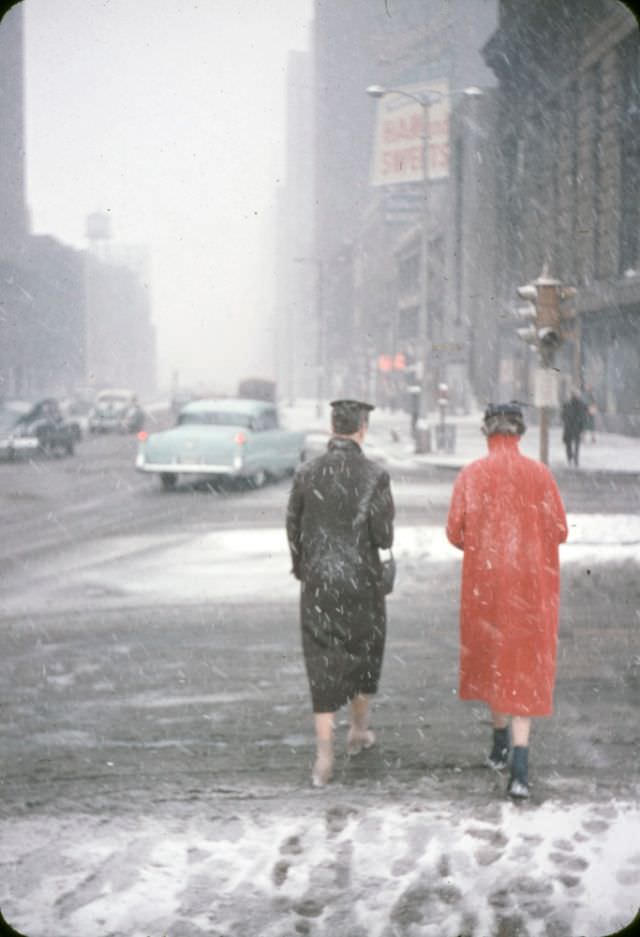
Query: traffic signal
(527, 312)
(547, 306)
(548, 311)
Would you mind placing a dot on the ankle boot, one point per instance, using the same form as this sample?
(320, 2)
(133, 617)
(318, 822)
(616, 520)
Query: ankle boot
(499, 756)
(518, 787)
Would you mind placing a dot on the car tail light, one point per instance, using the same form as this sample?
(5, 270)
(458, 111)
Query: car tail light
(142, 436)
(240, 439)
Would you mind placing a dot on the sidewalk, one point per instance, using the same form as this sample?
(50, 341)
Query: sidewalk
(390, 438)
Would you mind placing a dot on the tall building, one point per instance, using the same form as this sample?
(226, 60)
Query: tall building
(120, 344)
(47, 326)
(568, 188)
(369, 239)
(297, 270)
(13, 206)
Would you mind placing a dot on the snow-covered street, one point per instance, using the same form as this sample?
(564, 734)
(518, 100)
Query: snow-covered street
(216, 566)
(328, 866)
(157, 738)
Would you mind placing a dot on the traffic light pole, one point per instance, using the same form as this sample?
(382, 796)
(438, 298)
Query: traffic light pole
(545, 298)
(547, 373)
(545, 413)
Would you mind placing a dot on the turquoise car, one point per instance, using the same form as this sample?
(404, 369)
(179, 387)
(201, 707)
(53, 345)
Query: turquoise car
(226, 438)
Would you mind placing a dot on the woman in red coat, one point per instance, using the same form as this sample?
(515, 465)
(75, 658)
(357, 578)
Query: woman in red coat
(507, 516)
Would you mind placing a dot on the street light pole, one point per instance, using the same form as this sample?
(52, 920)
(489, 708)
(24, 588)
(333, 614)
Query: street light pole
(425, 100)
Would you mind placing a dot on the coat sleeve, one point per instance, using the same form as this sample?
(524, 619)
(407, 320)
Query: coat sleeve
(381, 514)
(295, 508)
(457, 511)
(554, 513)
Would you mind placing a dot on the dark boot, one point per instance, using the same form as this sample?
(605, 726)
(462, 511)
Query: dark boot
(499, 757)
(519, 782)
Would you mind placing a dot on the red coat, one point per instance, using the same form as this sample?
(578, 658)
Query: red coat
(507, 516)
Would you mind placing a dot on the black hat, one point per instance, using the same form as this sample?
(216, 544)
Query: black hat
(347, 416)
(512, 408)
(504, 419)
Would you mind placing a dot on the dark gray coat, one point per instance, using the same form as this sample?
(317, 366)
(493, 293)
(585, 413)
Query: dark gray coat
(340, 513)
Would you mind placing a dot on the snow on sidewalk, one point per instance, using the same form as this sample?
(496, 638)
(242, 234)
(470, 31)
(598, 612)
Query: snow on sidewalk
(389, 439)
(318, 866)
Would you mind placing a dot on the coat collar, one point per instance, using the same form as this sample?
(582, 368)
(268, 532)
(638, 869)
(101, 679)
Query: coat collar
(502, 443)
(341, 444)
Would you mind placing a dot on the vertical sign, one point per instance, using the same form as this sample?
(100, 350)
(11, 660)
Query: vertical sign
(399, 135)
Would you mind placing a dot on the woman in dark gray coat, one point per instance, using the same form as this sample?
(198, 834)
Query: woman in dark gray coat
(340, 514)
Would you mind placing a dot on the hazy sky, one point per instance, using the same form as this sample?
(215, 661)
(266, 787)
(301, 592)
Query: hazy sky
(170, 115)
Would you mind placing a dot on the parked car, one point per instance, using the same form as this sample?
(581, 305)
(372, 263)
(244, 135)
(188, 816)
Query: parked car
(28, 429)
(116, 410)
(222, 438)
(76, 412)
(258, 388)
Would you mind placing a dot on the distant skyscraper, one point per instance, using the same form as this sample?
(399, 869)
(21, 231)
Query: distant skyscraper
(13, 208)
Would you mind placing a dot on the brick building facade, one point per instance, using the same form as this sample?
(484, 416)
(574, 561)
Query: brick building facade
(544, 167)
(568, 190)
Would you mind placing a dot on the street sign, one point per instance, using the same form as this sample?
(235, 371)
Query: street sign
(401, 124)
(545, 392)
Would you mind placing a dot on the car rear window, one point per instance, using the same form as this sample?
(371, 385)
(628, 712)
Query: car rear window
(215, 418)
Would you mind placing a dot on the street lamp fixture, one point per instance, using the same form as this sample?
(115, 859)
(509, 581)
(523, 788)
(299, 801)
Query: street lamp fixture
(425, 99)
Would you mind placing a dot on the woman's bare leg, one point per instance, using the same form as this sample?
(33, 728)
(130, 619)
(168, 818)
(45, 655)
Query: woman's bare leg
(519, 783)
(323, 767)
(520, 730)
(360, 735)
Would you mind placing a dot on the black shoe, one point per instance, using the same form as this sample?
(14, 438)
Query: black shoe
(518, 787)
(498, 759)
(499, 756)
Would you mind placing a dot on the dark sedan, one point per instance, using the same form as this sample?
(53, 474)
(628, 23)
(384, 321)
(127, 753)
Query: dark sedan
(28, 429)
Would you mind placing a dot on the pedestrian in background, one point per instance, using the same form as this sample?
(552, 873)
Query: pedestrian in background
(340, 514)
(507, 516)
(574, 423)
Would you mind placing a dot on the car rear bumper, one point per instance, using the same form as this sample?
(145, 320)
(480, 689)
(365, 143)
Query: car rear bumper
(188, 468)
(115, 423)
(24, 443)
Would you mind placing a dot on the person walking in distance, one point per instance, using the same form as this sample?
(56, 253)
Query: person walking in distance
(507, 516)
(574, 422)
(339, 515)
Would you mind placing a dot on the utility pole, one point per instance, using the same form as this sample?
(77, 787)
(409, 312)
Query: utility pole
(424, 98)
